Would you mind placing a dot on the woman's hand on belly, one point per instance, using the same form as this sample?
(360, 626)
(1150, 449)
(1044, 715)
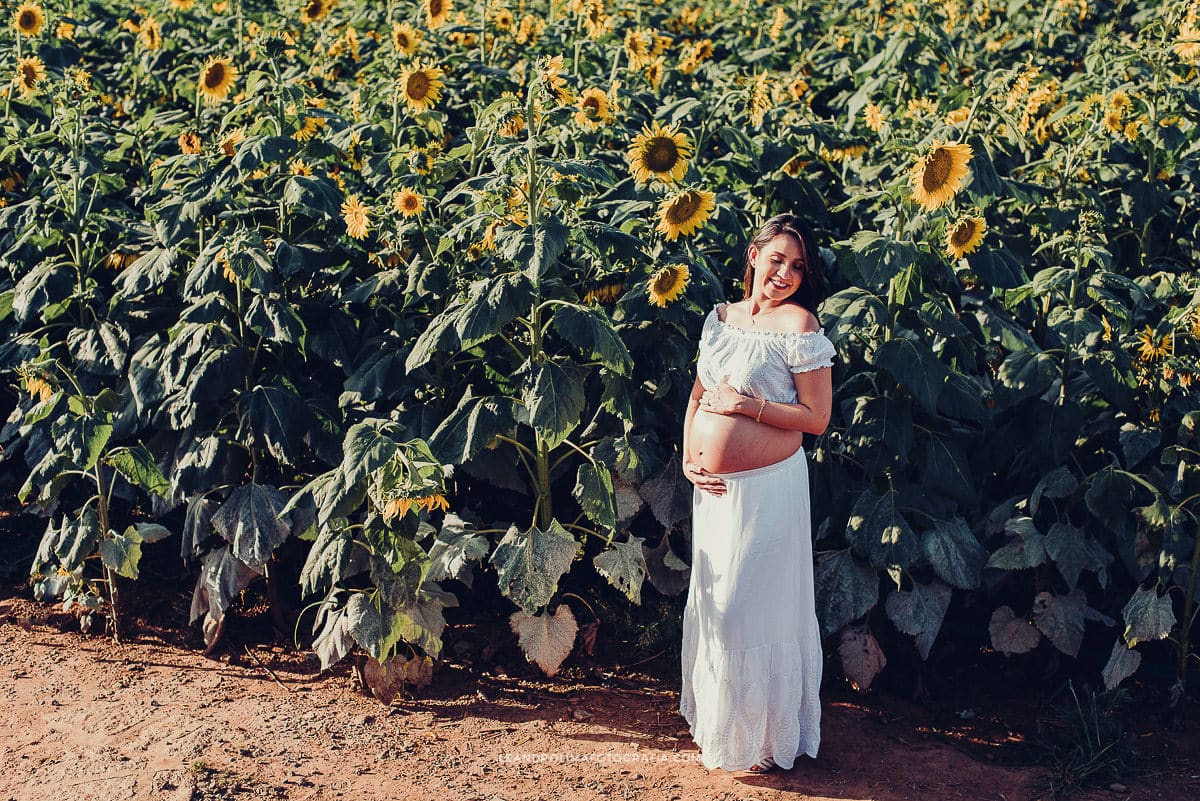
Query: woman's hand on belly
(713, 485)
(724, 399)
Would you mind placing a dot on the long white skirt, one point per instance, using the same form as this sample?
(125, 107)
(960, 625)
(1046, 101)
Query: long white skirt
(751, 642)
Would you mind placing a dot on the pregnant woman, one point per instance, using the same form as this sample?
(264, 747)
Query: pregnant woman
(751, 644)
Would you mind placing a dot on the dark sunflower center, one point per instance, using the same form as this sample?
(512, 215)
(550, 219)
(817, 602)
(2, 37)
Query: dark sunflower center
(215, 76)
(592, 103)
(435, 8)
(684, 208)
(937, 170)
(313, 8)
(418, 86)
(402, 41)
(962, 233)
(28, 74)
(664, 282)
(27, 21)
(410, 202)
(661, 154)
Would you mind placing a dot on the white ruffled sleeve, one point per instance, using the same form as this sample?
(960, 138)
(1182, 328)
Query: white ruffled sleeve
(810, 351)
(710, 325)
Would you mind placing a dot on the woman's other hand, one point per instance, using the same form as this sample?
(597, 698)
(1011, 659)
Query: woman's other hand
(709, 482)
(723, 399)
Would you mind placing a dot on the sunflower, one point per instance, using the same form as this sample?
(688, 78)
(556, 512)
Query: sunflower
(420, 86)
(958, 115)
(875, 117)
(655, 68)
(436, 13)
(1195, 324)
(660, 152)
(668, 284)
(408, 203)
(231, 140)
(797, 88)
(309, 128)
(548, 72)
(939, 174)
(315, 10)
(299, 167)
(760, 99)
(684, 213)
(30, 72)
(28, 19)
(150, 34)
(503, 19)
(354, 213)
(595, 21)
(65, 30)
(513, 126)
(189, 143)
(1187, 44)
(1153, 348)
(964, 236)
(1132, 129)
(216, 79)
(1108, 329)
(405, 38)
(605, 293)
(639, 45)
(780, 20)
(593, 109)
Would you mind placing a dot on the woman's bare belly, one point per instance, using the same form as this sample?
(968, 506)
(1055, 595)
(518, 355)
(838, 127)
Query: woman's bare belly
(731, 443)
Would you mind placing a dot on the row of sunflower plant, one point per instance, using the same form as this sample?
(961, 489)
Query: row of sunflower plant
(420, 285)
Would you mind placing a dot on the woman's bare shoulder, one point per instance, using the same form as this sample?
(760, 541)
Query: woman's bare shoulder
(799, 318)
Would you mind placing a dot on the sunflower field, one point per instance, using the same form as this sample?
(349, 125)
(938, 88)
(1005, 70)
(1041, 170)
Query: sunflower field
(416, 288)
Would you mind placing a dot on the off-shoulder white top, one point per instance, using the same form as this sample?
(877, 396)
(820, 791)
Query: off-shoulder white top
(759, 363)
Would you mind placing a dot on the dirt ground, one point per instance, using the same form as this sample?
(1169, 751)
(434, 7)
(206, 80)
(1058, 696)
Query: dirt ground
(87, 719)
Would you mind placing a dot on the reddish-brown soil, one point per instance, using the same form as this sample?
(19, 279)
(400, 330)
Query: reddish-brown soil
(87, 719)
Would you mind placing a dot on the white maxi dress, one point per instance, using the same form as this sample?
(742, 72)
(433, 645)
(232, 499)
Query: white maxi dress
(751, 643)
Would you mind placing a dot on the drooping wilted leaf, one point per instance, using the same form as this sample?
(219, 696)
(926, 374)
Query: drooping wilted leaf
(365, 623)
(121, 554)
(422, 623)
(471, 427)
(70, 543)
(667, 572)
(591, 331)
(387, 679)
(222, 577)
(137, 465)
(491, 304)
(1072, 552)
(545, 639)
(1060, 618)
(1148, 616)
(331, 559)
(624, 565)
(251, 520)
(919, 612)
(454, 550)
(954, 553)
(669, 494)
(333, 639)
(275, 419)
(1122, 663)
(555, 401)
(1026, 546)
(595, 495)
(914, 366)
(862, 658)
(1058, 483)
(530, 563)
(1011, 634)
(197, 525)
(877, 529)
(846, 589)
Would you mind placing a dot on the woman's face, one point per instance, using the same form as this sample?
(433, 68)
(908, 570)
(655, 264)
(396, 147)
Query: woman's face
(778, 267)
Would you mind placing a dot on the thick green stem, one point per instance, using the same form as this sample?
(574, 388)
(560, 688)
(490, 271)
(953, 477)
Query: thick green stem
(110, 578)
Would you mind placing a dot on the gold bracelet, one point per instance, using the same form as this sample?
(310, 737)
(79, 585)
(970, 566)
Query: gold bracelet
(761, 406)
